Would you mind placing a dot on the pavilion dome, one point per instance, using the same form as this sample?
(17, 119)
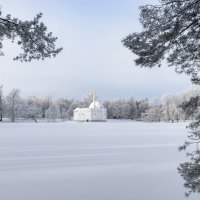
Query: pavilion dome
(95, 104)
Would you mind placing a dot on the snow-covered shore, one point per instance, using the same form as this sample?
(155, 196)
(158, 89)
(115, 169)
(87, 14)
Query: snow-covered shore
(91, 161)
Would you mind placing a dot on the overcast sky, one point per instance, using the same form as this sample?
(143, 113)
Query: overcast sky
(90, 31)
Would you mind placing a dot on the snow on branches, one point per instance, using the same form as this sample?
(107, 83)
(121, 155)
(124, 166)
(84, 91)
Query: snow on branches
(171, 30)
(31, 36)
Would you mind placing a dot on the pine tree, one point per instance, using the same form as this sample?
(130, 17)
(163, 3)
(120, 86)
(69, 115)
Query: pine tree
(171, 32)
(32, 36)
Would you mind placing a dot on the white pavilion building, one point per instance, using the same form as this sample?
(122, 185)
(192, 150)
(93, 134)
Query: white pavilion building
(95, 112)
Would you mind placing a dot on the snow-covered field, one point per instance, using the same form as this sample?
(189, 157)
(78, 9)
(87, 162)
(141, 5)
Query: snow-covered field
(91, 161)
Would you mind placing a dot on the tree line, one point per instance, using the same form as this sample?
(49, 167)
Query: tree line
(168, 108)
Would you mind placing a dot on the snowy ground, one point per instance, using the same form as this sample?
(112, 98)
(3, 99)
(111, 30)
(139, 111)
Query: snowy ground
(91, 161)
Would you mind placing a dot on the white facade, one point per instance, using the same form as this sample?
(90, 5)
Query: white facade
(95, 112)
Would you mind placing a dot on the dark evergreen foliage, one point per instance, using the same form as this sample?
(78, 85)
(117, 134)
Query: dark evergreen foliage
(190, 171)
(32, 36)
(171, 32)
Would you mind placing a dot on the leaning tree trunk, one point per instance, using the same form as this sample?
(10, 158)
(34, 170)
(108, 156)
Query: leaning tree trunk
(1, 116)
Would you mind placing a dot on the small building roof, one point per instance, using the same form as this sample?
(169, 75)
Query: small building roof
(95, 104)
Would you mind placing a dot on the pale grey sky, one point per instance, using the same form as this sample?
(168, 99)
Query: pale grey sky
(90, 31)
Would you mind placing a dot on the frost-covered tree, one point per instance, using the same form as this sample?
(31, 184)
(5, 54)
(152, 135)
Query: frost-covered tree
(132, 108)
(126, 108)
(73, 105)
(45, 103)
(13, 104)
(53, 112)
(107, 104)
(64, 105)
(1, 103)
(156, 109)
(190, 171)
(32, 108)
(171, 31)
(116, 109)
(32, 36)
(178, 112)
(169, 108)
(86, 100)
(142, 107)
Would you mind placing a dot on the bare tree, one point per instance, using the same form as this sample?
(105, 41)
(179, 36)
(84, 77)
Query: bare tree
(53, 112)
(86, 100)
(31, 108)
(1, 103)
(45, 103)
(13, 104)
(156, 109)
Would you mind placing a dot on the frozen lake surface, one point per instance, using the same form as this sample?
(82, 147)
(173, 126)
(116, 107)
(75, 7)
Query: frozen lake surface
(91, 161)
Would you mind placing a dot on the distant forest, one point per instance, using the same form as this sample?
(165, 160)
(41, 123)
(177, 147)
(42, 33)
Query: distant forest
(14, 107)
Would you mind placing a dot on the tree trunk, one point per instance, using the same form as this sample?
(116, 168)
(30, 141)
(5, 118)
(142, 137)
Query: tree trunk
(1, 117)
(43, 113)
(34, 119)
